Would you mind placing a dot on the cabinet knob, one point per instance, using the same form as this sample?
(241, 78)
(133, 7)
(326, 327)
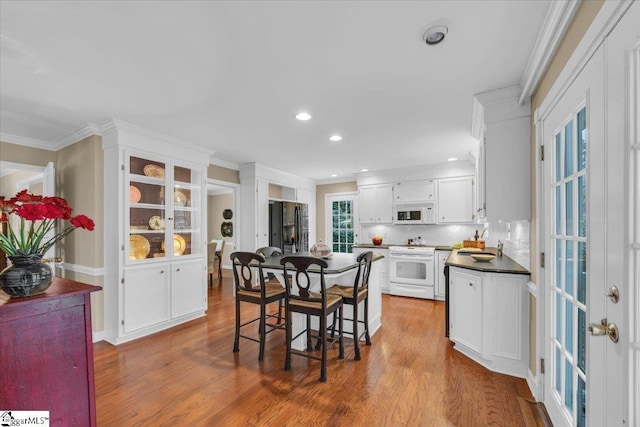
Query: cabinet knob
(161, 271)
(470, 284)
(177, 269)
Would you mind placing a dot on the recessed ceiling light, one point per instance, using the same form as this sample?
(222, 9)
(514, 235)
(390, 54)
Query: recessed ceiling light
(364, 170)
(303, 116)
(335, 138)
(435, 35)
(452, 159)
(333, 175)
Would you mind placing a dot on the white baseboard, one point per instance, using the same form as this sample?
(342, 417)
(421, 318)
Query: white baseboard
(535, 386)
(98, 336)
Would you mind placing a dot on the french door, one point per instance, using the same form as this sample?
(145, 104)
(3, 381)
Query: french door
(588, 243)
(340, 217)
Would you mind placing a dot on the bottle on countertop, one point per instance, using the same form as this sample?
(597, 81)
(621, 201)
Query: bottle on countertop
(500, 245)
(477, 236)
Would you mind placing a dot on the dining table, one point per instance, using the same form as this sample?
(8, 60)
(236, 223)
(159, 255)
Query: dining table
(341, 269)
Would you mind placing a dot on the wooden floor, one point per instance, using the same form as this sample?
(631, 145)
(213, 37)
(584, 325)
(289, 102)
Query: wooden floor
(410, 376)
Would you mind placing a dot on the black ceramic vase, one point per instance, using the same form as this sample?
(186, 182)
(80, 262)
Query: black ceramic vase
(26, 276)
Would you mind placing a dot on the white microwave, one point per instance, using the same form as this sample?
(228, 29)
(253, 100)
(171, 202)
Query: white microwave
(414, 213)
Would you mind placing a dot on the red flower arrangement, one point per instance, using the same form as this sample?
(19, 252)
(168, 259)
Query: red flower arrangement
(38, 216)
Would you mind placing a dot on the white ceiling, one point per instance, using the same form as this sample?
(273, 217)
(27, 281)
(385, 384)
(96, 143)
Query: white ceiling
(232, 75)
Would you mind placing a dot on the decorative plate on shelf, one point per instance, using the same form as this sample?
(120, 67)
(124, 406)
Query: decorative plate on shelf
(179, 245)
(153, 171)
(139, 247)
(227, 214)
(134, 194)
(156, 223)
(226, 229)
(179, 199)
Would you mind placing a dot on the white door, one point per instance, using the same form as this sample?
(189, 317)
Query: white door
(340, 221)
(586, 233)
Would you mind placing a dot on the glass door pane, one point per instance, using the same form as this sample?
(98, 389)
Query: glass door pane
(187, 230)
(342, 230)
(570, 275)
(147, 212)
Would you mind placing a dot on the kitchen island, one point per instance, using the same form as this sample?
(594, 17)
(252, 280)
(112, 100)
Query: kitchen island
(341, 270)
(487, 311)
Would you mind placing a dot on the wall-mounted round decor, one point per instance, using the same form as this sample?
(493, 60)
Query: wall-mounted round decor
(227, 214)
(226, 228)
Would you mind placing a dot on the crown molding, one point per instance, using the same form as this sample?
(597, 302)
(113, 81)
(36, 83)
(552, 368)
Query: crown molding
(606, 19)
(77, 135)
(114, 125)
(28, 142)
(559, 17)
(338, 180)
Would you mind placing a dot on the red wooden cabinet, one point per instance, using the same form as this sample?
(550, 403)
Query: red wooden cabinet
(46, 354)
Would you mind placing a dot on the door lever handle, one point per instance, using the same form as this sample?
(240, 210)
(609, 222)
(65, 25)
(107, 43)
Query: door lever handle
(604, 328)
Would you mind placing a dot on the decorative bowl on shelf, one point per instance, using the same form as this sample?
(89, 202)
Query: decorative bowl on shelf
(321, 250)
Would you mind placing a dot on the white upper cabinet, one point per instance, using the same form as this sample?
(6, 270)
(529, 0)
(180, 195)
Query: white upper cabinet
(414, 191)
(504, 166)
(376, 204)
(455, 200)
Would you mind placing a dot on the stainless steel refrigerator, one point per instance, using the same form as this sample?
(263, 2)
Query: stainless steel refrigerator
(289, 226)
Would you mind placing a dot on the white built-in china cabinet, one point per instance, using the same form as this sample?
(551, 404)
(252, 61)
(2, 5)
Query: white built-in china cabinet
(155, 232)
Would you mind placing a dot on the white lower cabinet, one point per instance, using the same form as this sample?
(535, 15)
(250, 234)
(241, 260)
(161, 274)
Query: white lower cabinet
(441, 259)
(160, 296)
(187, 293)
(145, 297)
(488, 319)
(465, 315)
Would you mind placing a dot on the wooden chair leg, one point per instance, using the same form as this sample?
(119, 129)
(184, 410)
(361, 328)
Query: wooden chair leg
(220, 269)
(263, 338)
(236, 341)
(341, 330)
(366, 321)
(287, 360)
(356, 335)
(323, 334)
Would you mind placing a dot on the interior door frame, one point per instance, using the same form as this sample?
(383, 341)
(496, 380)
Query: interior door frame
(237, 229)
(606, 19)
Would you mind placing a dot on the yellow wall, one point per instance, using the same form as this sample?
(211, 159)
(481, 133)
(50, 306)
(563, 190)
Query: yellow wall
(321, 191)
(223, 174)
(584, 17)
(26, 155)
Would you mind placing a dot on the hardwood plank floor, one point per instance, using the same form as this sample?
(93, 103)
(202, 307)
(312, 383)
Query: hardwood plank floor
(410, 376)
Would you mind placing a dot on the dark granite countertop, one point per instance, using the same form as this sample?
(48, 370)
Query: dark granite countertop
(338, 263)
(387, 245)
(502, 264)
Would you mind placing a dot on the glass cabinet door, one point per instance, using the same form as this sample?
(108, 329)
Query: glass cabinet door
(187, 211)
(147, 209)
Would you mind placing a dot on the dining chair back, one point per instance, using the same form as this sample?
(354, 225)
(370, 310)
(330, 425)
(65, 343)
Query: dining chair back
(301, 297)
(211, 260)
(250, 287)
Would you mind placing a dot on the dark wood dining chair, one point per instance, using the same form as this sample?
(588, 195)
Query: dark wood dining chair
(211, 261)
(353, 295)
(268, 251)
(219, 249)
(301, 299)
(251, 288)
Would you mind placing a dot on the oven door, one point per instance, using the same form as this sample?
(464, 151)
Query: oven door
(411, 270)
